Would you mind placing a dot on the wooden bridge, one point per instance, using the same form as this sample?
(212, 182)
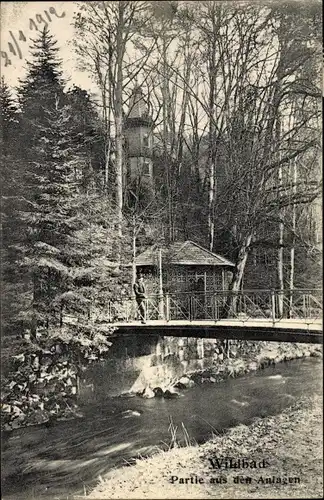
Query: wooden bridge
(284, 331)
(281, 316)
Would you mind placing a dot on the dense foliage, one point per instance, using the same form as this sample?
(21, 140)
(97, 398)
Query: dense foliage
(60, 239)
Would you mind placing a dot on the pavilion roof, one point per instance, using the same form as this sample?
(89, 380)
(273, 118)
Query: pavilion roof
(187, 253)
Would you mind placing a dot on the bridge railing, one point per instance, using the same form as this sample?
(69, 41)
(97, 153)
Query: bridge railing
(240, 305)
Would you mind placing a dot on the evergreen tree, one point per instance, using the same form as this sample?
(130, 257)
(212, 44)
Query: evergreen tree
(8, 139)
(60, 258)
(8, 118)
(41, 99)
(52, 190)
(41, 89)
(13, 287)
(59, 173)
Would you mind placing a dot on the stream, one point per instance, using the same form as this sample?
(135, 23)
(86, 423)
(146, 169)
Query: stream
(65, 459)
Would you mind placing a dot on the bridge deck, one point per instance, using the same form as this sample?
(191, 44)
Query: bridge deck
(287, 330)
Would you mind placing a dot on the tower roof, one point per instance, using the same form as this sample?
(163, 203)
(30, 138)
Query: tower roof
(138, 107)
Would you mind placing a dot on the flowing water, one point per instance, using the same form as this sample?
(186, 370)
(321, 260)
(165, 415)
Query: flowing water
(66, 459)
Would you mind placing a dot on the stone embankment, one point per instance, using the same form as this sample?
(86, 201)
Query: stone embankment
(239, 360)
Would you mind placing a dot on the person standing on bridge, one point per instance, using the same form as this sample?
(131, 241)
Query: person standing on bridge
(139, 290)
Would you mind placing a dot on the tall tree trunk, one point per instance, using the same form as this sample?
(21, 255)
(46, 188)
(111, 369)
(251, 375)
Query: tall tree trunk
(184, 105)
(235, 286)
(119, 123)
(211, 178)
(108, 113)
(212, 133)
(165, 105)
(280, 260)
(107, 161)
(107, 131)
(241, 263)
(211, 195)
(292, 248)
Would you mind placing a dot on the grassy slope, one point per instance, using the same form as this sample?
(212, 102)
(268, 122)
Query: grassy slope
(291, 442)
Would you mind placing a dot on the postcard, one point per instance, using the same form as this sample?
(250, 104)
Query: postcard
(161, 286)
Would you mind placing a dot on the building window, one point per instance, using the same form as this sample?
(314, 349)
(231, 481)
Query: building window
(191, 276)
(146, 141)
(218, 281)
(181, 278)
(209, 282)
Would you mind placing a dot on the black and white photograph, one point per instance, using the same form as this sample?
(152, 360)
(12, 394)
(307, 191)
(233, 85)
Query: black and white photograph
(161, 250)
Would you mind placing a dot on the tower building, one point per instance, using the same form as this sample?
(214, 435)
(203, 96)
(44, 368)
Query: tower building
(139, 139)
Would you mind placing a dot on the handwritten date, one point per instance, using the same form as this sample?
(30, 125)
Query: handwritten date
(41, 22)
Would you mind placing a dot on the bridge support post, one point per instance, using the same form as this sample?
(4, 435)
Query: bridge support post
(192, 309)
(134, 306)
(161, 306)
(273, 306)
(126, 312)
(304, 306)
(167, 307)
(216, 308)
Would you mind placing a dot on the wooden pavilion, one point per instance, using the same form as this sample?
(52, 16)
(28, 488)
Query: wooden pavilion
(184, 267)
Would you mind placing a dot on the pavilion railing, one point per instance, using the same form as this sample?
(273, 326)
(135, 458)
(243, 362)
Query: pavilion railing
(242, 305)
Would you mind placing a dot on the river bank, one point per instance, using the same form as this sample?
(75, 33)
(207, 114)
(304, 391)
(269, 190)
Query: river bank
(67, 458)
(290, 443)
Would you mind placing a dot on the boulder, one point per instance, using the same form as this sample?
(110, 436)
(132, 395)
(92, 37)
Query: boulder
(184, 380)
(170, 393)
(128, 394)
(148, 393)
(180, 385)
(131, 413)
(184, 383)
(158, 392)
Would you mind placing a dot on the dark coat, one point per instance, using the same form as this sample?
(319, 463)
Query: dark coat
(139, 289)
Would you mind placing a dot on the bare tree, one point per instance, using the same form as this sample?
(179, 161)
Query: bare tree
(107, 34)
(258, 79)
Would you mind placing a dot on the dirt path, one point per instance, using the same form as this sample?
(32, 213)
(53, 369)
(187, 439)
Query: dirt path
(290, 445)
